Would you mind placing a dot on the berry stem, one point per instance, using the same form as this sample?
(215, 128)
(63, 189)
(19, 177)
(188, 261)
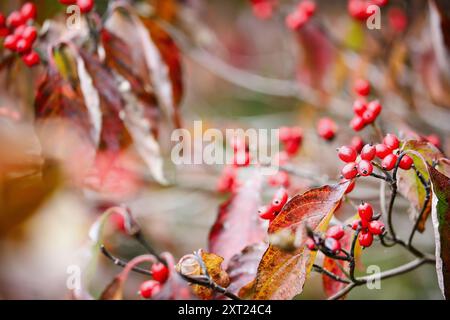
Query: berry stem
(333, 276)
(122, 263)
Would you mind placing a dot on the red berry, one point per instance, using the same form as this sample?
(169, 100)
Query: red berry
(358, 9)
(332, 244)
(434, 140)
(266, 212)
(375, 107)
(160, 272)
(4, 32)
(376, 227)
(369, 116)
(307, 6)
(262, 9)
(391, 141)
(23, 45)
(349, 171)
(291, 147)
(335, 232)
(29, 33)
(389, 162)
(365, 239)
(15, 19)
(347, 154)
(310, 244)
(19, 30)
(149, 288)
(284, 134)
(365, 211)
(281, 178)
(368, 152)
(11, 42)
(398, 20)
(406, 162)
(85, 5)
(365, 168)
(351, 186)
(357, 123)
(67, 2)
(279, 199)
(362, 87)
(355, 224)
(380, 3)
(28, 11)
(382, 150)
(226, 180)
(357, 143)
(359, 106)
(326, 128)
(297, 19)
(119, 221)
(2, 20)
(297, 134)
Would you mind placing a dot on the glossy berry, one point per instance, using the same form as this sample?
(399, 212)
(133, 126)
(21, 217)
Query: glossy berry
(310, 244)
(357, 123)
(67, 2)
(291, 147)
(267, 212)
(118, 220)
(406, 162)
(362, 87)
(391, 141)
(369, 116)
(332, 244)
(2, 20)
(365, 168)
(31, 58)
(358, 9)
(3, 32)
(85, 5)
(359, 106)
(149, 288)
(347, 154)
(375, 107)
(10, 42)
(295, 20)
(357, 143)
(335, 232)
(382, 150)
(365, 239)
(23, 45)
(376, 227)
(28, 11)
(15, 19)
(355, 224)
(284, 134)
(389, 162)
(368, 152)
(29, 33)
(365, 211)
(380, 3)
(326, 128)
(160, 272)
(279, 199)
(350, 170)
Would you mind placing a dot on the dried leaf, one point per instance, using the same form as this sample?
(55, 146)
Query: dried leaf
(281, 274)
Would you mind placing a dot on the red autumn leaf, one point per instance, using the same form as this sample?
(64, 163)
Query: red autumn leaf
(238, 224)
(282, 274)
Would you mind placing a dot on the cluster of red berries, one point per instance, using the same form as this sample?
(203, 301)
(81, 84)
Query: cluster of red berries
(367, 224)
(359, 9)
(330, 242)
(364, 113)
(355, 164)
(19, 34)
(291, 138)
(263, 9)
(326, 128)
(301, 15)
(270, 211)
(84, 5)
(160, 274)
(387, 151)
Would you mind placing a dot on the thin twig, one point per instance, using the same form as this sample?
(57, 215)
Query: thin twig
(333, 276)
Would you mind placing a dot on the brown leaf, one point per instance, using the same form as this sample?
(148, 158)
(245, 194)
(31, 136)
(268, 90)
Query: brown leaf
(281, 274)
(238, 225)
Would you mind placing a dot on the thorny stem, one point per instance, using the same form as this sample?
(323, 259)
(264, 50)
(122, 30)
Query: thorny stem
(205, 280)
